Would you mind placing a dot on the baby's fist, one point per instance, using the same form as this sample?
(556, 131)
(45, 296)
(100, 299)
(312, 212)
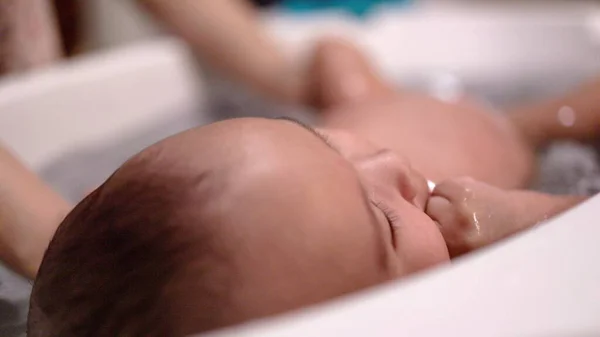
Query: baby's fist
(470, 214)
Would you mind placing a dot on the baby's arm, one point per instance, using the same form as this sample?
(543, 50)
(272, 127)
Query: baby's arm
(30, 212)
(472, 214)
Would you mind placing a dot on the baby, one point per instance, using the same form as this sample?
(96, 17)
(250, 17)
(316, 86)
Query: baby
(247, 218)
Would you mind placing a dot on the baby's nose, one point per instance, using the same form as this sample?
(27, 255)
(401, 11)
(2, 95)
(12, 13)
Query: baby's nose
(393, 173)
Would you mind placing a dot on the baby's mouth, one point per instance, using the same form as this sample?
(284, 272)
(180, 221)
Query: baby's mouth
(421, 204)
(431, 187)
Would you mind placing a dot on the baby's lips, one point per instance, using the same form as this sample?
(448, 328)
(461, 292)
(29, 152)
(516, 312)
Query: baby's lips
(422, 192)
(422, 204)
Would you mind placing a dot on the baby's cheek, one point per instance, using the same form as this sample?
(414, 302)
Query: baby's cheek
(419, 243)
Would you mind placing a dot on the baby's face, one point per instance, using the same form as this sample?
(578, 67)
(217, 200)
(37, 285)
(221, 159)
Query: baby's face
(397, 195)
(253, 217)
(308, 215)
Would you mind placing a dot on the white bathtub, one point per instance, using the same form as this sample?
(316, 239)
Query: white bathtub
(542, 283)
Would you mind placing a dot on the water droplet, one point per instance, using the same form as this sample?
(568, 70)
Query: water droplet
(566, 116)
(468, 194)
(476, 223)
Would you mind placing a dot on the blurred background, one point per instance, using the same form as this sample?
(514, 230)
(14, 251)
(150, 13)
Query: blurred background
(95, 25)
(138, 63)
(505, 53)
(411, 40)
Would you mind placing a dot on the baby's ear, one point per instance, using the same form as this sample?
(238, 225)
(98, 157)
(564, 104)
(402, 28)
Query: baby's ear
(342, 74)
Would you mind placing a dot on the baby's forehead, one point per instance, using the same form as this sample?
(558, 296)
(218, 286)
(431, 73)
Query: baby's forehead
(295, 231)
(234, 145)
(230, 169)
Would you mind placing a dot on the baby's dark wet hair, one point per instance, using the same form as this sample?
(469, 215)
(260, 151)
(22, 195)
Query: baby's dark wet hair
(121, 262)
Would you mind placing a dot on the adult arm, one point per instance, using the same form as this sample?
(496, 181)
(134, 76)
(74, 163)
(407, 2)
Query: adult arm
(30, 212)
(575, 115)
(29, 35)
(227, 35)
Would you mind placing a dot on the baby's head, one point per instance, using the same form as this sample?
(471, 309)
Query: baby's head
(230, 222)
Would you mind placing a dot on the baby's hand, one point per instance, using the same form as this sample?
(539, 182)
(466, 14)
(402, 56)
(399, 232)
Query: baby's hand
(471, 214)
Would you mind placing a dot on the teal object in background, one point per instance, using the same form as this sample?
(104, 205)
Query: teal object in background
(357, 7)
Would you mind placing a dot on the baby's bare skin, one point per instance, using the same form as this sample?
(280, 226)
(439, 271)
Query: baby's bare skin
(439, 139)
(442, 140)
(472, 214)
(445, 142)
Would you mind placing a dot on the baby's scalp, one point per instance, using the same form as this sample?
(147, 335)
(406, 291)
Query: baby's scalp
(173, 243)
